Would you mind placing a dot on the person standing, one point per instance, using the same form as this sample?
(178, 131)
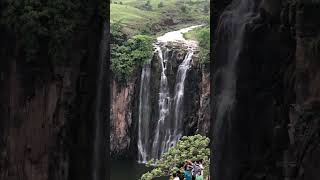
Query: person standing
(175, 176)
(199, 176)
(180, 175)
(187, 171)
(200, 162)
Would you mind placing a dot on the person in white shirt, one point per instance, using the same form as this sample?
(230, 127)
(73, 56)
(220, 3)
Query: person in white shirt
(201, 165)
(175, 177)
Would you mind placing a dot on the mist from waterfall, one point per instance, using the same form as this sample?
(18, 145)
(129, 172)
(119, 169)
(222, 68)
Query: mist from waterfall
(232, 28)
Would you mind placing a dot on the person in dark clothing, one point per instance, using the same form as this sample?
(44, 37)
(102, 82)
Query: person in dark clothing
(180, 175)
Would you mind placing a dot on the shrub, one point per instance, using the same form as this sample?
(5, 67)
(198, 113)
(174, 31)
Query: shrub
(188, 148)
(147, 6)
(146, 30)
(203, 37)
(130, 55)
(160, 5)
(184, 9)
(117, 36)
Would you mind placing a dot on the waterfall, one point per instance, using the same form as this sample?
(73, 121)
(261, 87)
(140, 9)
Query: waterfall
(232, 28)
(164, 105)
(169, 124)
(169, 130)
(174, 133)
(144, 113)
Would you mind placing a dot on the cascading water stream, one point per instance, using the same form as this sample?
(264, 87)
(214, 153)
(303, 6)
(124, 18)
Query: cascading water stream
(144, 113)
(164, 106)
(174, 133)
(232, 27)
(169, 128)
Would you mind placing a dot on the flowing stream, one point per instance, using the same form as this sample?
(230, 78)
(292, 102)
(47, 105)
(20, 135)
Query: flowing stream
(169, 128)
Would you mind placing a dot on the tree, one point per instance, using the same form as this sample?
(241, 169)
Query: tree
(117, 35)
(188, 148)
(45, 24)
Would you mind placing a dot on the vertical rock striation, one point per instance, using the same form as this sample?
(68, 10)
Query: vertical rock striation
(47, 108)
(274, 129)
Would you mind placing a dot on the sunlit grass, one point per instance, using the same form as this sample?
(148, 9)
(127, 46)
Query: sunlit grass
(127, 14)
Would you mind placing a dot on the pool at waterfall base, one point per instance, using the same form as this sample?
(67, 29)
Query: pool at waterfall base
(129, 170)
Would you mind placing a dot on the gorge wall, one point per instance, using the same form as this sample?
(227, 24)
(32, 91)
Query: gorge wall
(47, 109)
(125, 102)
(273, 132)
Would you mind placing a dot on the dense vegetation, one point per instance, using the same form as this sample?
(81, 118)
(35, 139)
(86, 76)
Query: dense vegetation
(45, 25)
(128, 53)
(188, 148)
(135, 20)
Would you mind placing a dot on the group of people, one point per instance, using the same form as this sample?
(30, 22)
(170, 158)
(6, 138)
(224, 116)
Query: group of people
(192, 171)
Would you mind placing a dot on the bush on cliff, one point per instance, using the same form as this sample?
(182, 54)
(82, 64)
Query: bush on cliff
(126, 57)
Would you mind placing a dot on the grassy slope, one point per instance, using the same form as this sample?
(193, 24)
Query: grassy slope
(134, 17)
(192, 35)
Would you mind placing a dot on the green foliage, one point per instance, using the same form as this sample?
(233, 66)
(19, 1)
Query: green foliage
(184, 9)
(117, 36)
(36, 21)
(43, 24)
(188, 148)
(146, 30)
(160, 5)
(203, 37)
(130, 55)
(205, 8)
(147, 6)
(136, 13)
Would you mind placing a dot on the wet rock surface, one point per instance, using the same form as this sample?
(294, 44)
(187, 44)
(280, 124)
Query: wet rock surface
(196, 114)
(277, 75)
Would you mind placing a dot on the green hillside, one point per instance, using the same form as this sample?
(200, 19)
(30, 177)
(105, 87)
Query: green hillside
(158, 15)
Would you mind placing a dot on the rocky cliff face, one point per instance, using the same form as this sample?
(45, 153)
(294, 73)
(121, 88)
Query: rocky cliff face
(203, 125)
(124, 108)
(125, 103)
(47, 109)
(274, 132)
